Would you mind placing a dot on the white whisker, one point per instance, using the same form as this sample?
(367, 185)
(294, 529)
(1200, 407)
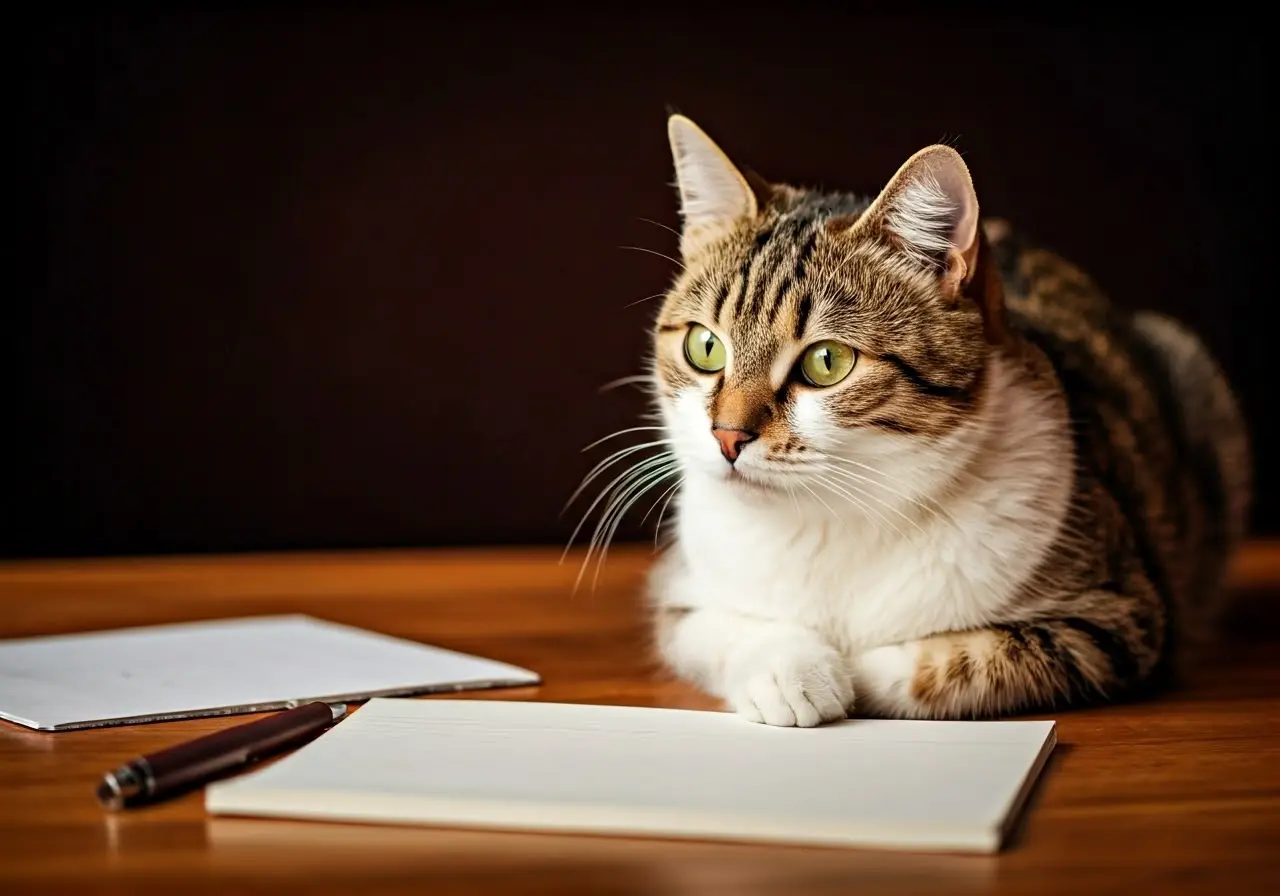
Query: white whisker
(937, 510)
(607, 490)
(853, 484)
(674, 261)
(632, 380)
(653, 480)
(860, 504)
(659, 224)
(622, 501)
(609, 462)
(656, 295)
(671, 493)
(818, 498)
(621, 432)
(655, 504)
(795, 502)
(617, 504)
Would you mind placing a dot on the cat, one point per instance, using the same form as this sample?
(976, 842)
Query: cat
(926, 470)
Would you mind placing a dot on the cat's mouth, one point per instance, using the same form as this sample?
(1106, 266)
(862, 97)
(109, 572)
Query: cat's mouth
(751, 480)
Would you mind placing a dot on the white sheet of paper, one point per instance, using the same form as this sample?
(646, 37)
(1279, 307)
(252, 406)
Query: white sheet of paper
(670, 773)
(164, 672)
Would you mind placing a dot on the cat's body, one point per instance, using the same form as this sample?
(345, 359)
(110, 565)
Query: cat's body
(1007, 501)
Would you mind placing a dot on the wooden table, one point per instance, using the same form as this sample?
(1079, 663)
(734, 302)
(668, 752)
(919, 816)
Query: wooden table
(1181, 794)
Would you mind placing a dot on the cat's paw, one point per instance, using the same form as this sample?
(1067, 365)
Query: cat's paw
(789, 681)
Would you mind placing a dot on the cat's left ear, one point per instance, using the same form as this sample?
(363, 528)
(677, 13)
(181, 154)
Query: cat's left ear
(929, 213)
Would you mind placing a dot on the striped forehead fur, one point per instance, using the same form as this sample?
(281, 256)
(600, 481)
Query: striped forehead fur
(802, 266)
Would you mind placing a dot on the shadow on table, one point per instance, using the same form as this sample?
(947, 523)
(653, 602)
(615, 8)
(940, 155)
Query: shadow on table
(485, 859)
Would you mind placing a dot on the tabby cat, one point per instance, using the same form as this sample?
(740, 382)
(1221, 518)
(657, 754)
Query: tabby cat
(926, 471)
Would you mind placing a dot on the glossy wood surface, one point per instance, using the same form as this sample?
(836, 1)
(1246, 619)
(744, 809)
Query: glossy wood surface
(1177, 795)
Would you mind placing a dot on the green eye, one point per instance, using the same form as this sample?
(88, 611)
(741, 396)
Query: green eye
(704, 349)
(827, 363)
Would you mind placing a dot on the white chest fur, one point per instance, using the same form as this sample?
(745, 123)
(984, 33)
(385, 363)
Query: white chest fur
(908, 570)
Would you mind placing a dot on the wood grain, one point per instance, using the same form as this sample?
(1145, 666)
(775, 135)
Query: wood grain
(1177, 795)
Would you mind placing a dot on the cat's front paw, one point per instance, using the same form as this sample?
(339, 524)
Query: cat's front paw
(789, 681)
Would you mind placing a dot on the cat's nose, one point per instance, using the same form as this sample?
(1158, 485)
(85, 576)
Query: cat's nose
(732, 440)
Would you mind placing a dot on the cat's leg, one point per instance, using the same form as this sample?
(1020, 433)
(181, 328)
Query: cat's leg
(1103, 647)
(768, 671)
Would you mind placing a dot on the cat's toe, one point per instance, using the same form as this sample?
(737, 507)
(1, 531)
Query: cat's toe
(740, 702)
(766, 702)
(800, 694)
(817, 703)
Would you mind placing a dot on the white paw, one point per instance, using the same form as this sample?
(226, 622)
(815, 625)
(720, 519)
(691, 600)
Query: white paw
(786, 681)
(884, 676)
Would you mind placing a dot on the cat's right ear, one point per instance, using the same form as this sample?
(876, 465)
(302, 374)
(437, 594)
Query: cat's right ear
(714, 195)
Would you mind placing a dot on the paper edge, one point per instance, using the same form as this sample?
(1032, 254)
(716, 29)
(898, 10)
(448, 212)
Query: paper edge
(1014, 813)
(495, 815)
(486, 684)
(1047, 726)
(515, 676)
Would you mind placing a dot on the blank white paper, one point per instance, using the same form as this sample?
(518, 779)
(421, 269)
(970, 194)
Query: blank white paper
(221, 667)
(629, 770)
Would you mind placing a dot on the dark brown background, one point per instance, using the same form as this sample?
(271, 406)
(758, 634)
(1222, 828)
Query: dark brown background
(307, 279)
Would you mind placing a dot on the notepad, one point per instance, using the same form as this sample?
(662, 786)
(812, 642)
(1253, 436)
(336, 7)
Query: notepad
(948, 786)
(165, 672)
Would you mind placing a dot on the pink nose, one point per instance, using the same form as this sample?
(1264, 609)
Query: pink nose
(732, 440)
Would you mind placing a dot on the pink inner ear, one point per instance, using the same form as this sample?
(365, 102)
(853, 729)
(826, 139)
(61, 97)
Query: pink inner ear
(930, 207)
(959, 190)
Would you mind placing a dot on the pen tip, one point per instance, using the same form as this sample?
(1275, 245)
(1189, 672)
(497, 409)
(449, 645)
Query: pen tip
(119, 787)
(109, 794)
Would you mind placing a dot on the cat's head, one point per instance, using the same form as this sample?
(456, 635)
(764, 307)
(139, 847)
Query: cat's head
(810, 333)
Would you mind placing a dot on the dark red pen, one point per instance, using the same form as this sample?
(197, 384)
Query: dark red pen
(153, 777)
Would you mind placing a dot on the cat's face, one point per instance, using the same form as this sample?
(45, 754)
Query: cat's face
(810, 334)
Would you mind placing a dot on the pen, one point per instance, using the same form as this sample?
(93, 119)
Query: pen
(161, 774)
